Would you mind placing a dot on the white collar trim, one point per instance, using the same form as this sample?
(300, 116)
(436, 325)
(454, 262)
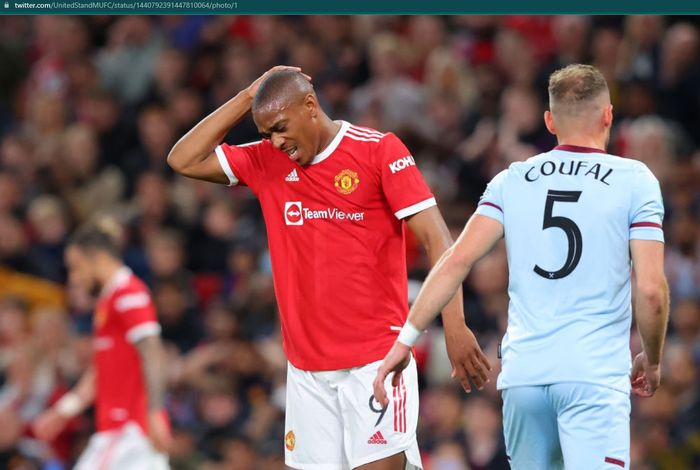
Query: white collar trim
(117, 280)
(333, 145)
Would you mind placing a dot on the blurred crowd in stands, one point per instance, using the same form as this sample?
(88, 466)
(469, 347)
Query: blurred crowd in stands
(90, 107)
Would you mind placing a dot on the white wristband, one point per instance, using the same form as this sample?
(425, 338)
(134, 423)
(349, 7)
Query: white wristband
(69, 405)
(409, 334)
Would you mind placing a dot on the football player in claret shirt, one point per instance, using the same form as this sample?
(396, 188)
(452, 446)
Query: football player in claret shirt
(126, 381)
(335, 198)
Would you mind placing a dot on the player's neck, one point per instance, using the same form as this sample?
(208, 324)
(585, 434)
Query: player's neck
(583, 141)
(329, 129)
(107, 269)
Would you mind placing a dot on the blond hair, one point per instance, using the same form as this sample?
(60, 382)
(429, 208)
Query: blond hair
(574, 88)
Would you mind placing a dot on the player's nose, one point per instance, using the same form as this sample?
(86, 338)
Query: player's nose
(277, 141)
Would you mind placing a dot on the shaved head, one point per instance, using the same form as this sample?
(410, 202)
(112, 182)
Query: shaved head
(286, 112)
(280, 89)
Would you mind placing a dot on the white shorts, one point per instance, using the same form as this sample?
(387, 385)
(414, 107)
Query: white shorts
(333, 421)
(577, 426)
(126, 448)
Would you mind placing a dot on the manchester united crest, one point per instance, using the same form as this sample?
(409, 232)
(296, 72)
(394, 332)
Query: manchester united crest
(289, 441)
(346, 181)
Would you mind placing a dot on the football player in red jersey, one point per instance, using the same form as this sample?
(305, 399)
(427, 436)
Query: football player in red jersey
(335, 198)
(126, 380)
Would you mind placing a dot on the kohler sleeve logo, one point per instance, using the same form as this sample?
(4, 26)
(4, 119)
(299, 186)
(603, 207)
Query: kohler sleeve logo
(401, 163)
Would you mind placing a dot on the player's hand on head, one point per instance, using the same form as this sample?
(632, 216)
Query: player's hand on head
(49, 425)
(645, 377)
(253, 88)
(469, 363)
(395, 362)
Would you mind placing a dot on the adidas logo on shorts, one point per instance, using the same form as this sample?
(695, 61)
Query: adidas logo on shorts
(377, 438)
(292, 176)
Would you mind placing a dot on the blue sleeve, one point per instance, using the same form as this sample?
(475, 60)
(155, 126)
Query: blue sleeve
(647, 208)
(491, 201)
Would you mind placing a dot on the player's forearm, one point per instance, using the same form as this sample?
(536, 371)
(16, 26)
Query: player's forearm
(442, 285)
(453, 311)
(430, 228)
(478, 237)
(86, 387)
(651, 311)
(80, 397)
(151, 353)
(201, 140)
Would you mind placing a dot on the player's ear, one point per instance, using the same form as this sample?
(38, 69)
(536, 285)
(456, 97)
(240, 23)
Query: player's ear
(608, 116)
(549, 122)
(311, 105)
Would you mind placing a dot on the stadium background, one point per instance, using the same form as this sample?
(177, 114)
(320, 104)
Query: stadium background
(90, 106)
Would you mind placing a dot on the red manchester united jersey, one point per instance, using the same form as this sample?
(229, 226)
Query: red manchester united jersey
(124, 314)
(336, 241)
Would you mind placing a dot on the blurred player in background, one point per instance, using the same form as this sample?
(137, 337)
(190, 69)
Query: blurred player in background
(334, 197)
(573, 219)
(126, 381)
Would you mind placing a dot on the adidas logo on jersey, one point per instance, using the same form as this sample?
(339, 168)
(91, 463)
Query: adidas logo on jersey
(292, 176)
(377, 438)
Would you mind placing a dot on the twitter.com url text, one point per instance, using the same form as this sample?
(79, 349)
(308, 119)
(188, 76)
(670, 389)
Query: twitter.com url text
(175, 5)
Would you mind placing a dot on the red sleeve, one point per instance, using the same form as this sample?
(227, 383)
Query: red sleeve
(244, 164)
(403, 185)
(136, 313)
